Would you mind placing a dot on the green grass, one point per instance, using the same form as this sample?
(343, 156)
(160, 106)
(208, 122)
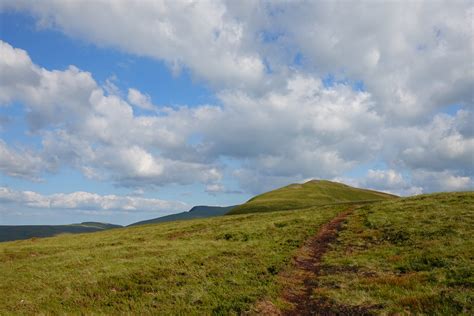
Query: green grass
(413, 255)
(211, 266)
(315, 192)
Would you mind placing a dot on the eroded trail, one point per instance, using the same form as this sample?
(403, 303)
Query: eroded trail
(300, 278)
(308, 265)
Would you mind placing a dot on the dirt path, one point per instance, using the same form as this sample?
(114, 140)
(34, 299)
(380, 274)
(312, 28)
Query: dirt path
(307, 266)
(301, 277)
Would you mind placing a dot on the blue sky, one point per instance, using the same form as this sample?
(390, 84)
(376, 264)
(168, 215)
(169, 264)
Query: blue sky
(53, 50)
(150, 109)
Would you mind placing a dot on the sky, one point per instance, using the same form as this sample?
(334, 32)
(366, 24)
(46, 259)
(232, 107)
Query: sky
(119, 110)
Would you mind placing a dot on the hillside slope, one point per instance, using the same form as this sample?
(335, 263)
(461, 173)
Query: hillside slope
(18, 232)
(201, 211)
(407, 255)
(314, 192)
(411, 256)
(218, 265)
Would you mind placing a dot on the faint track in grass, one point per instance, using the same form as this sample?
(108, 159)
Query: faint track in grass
(301, 278)
(307, 266)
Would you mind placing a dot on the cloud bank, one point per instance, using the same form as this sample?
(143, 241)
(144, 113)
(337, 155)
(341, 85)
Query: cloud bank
(304, 89)
(84, 202)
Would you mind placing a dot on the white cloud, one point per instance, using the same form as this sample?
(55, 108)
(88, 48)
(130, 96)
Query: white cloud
(304, 130)
(435, 181)
(389, 181)
(445, 143)
(215, 188)
(311, 121)
(280, 124)
(82, 127)
(53, 97)
(301, 131)
(434, 152)
(20, 163)
(17, 72)
(416, 182)
(384, 178)
(200, 35)
(85, 201)
(411, 56)
(139, 99)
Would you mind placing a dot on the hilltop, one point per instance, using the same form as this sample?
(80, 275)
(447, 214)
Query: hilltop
(311, 193)
(200, 211)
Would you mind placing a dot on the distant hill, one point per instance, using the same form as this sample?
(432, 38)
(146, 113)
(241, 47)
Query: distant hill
(97, 225)
(201, 211)
(311, 193)
(9, 233)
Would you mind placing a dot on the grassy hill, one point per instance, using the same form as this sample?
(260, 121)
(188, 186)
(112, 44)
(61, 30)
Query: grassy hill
(406, 255)
(315, 192)
(17, 232)
(201, 211)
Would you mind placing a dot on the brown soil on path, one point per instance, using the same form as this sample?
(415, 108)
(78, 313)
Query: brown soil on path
(307, 267)
(300, 279)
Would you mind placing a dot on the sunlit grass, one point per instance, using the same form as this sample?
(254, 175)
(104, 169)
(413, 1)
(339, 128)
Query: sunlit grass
(218, 265)
(309, 194)
(411, 255)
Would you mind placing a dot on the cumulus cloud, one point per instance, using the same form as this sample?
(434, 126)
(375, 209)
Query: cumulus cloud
(444, 143)
(389, 181)
(277, 118)
(303, 130)
(412, 182)
(412, 56)
(139, 99)
(17, 72)
(384, 178)
(85, 201)
(20, 163)
(82, 127)
(156, 150)
(435, 181)
(53, 97)
(200, 35)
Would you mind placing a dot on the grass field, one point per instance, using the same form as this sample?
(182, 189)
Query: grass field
(211, 266)
(413, 255)
(311, 193)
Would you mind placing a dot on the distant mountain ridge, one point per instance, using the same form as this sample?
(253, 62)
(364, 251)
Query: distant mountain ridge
(311, 193)
(200, 211)
(18, 232)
